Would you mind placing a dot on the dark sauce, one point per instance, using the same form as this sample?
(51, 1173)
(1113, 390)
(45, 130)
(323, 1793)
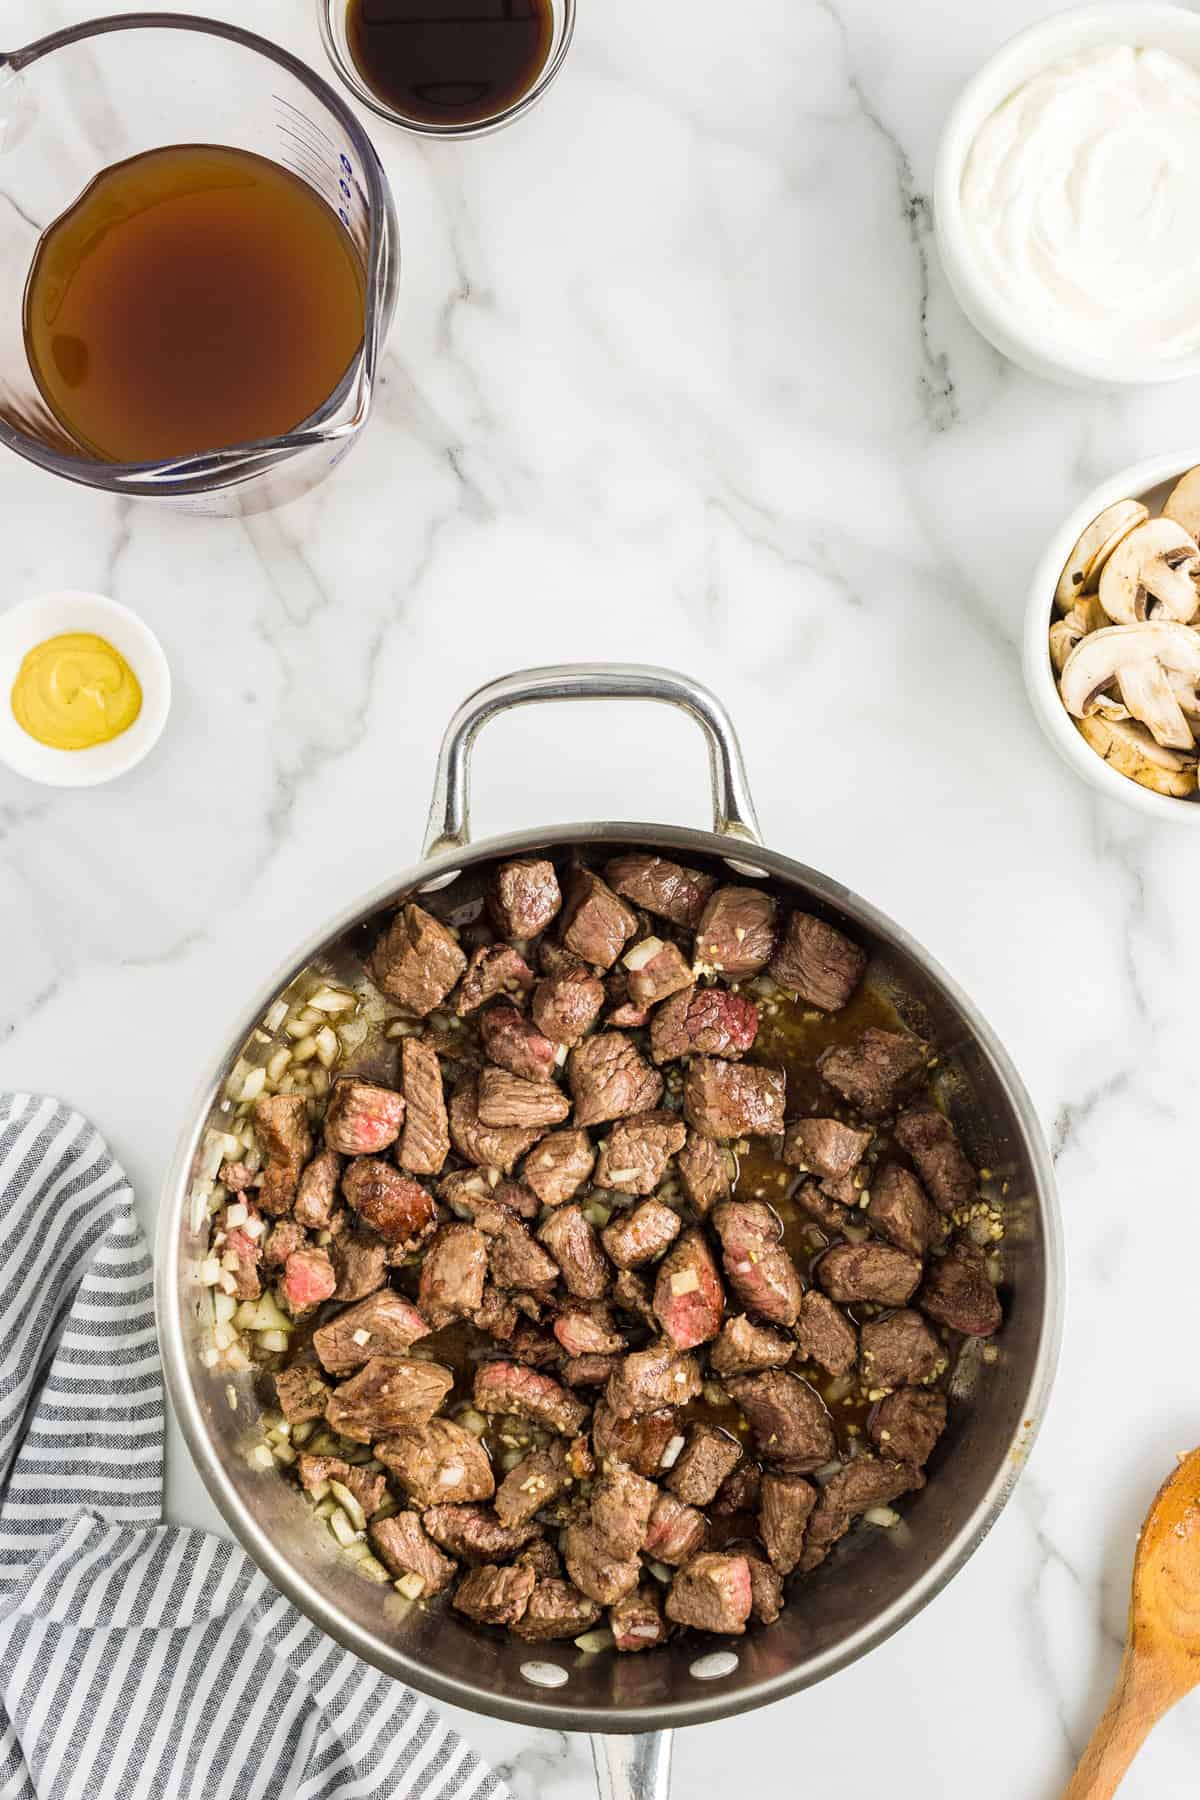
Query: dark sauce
(450, 62)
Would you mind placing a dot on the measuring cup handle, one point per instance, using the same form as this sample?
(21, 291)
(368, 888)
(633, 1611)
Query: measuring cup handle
(449, 825)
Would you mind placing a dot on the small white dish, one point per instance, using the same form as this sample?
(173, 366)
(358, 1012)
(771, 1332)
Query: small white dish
(1150, 482)
(1147, 25)
(49, 615)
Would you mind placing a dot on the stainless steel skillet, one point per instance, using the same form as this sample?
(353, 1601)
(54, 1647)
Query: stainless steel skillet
(879, 1579)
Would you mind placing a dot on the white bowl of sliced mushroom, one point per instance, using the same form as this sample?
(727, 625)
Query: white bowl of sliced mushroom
(1112, 638)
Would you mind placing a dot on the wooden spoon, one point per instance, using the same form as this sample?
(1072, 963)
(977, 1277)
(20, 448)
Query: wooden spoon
(1162, 1648)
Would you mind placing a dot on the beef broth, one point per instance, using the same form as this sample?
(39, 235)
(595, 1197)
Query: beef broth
(450, 62)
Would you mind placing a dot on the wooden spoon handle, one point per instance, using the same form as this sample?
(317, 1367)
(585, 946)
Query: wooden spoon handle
(1138, 1701)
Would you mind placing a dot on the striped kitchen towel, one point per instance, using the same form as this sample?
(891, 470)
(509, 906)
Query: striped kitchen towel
(139, 1659)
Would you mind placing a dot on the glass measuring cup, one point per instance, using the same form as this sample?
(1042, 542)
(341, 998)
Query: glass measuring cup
(80, 100)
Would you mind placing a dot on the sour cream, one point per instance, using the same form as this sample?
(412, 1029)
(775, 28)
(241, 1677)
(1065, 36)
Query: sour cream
(1081, 201)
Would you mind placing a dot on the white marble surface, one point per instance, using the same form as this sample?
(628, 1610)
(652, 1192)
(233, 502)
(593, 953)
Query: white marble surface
(676, 378)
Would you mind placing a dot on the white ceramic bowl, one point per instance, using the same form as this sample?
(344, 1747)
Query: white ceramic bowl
(32, 622)
(1150, 482)
(1150, 25)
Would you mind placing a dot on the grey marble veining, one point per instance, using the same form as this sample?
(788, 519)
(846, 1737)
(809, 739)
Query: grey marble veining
(676, 378)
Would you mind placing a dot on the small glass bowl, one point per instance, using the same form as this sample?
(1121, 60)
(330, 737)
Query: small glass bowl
(331, 16)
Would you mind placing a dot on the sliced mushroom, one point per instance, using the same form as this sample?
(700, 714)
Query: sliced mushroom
(1149, 665)
(1131, 750)
(1086, 615)
(1094, 548)
(1183, 502)
(1152, 574)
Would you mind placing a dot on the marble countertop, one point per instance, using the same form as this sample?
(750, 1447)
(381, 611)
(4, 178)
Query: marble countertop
(676, 378)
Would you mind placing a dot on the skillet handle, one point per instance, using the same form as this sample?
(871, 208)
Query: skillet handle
(633, 1768)
(449, 825)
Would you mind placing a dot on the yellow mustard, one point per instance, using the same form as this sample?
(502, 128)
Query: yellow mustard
(75, 691)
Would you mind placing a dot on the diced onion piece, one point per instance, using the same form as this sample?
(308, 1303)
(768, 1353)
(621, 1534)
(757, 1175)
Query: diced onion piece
(473, 1422)
(318, 1491)
(597, 1214)
(275, 1341)
(560, 1055)
(451, 1477)
(670, 1455)
(254, 1084)
(302, 1433)
(324, 1509)
(715, 1396)
(412, 1586)
(328, 1047)
(245, 1316)
(227, 1283)
(319, 1081)
(224, 1307)
(210, 1271)
(644, 1631)
(236, 1357)
(284, 1453)
(276, 1014)
(373, 1569)
(349, 1505)
(684, 1281)
(237, 1214)
(621, 1174)
(356, 1551)
(278, 1063)
(660, 1572)
(643, 953)
(295, 1029)
(254, 1228)
(305, 1050)
(261, 1458)
(210, 1356)
(361, 1337)
(341, 1526)
(881, 1515)
(592, 1641)
(330, 1000)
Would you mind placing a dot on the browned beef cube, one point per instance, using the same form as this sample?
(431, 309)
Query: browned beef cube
(766, 1591)
(284, 1237)
(589, 1371)
(907, 1424)
(825, 1335)
(515, 1043)
(316, 1196)
(825, 1146)
(425, 1140)
(759, 1269)
(301, 1393)
(575, 1247)
(557, 1168)
(515, 1260)
(384, 1324)
(640, 1441)
(636, 1621)
(901, 1212)
(596, 923)
(653, 1378)
(655, 970)
(556, 1609)
(703, 1021)
(281, 1124)
(249, 1251)
(713, 1593)
(738, 1493)
(637, 1150)
(493, 969)
(632, 1294)
(497, 1314)
(368, 1488)
(470, 1195)
(930, 1140)
(494, 1596)
(640, 1234)
(609, 1078)
(236, 1177)
(587, 1329)
(784, 1504)
(873, 1070)
(830, 1214)
(536, 1481)
(736, 933)
(417, 961)
(875, 1272)
(406, 1548)
(397, 1209)
(508, 1387)
(452, 1274)
(619, 1513)
(567, 1003)
(506, 1099)
(362, 1117)
(488, 1146)
(709, 1456)
(744, 1347)
(309, 1279)
(867, 1481)
(530, 1345)
(594, 1569)
(731, 1100)
(523, 896)
(438, 1463)
(689, 1301)
(543, 1559)
(663, 888)
(676, 1531)
(959, 1293)
(388, 1392)
(704, 1171)
(822, 966)
(474, 1534)
(787, 1417)
(360, 1264)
